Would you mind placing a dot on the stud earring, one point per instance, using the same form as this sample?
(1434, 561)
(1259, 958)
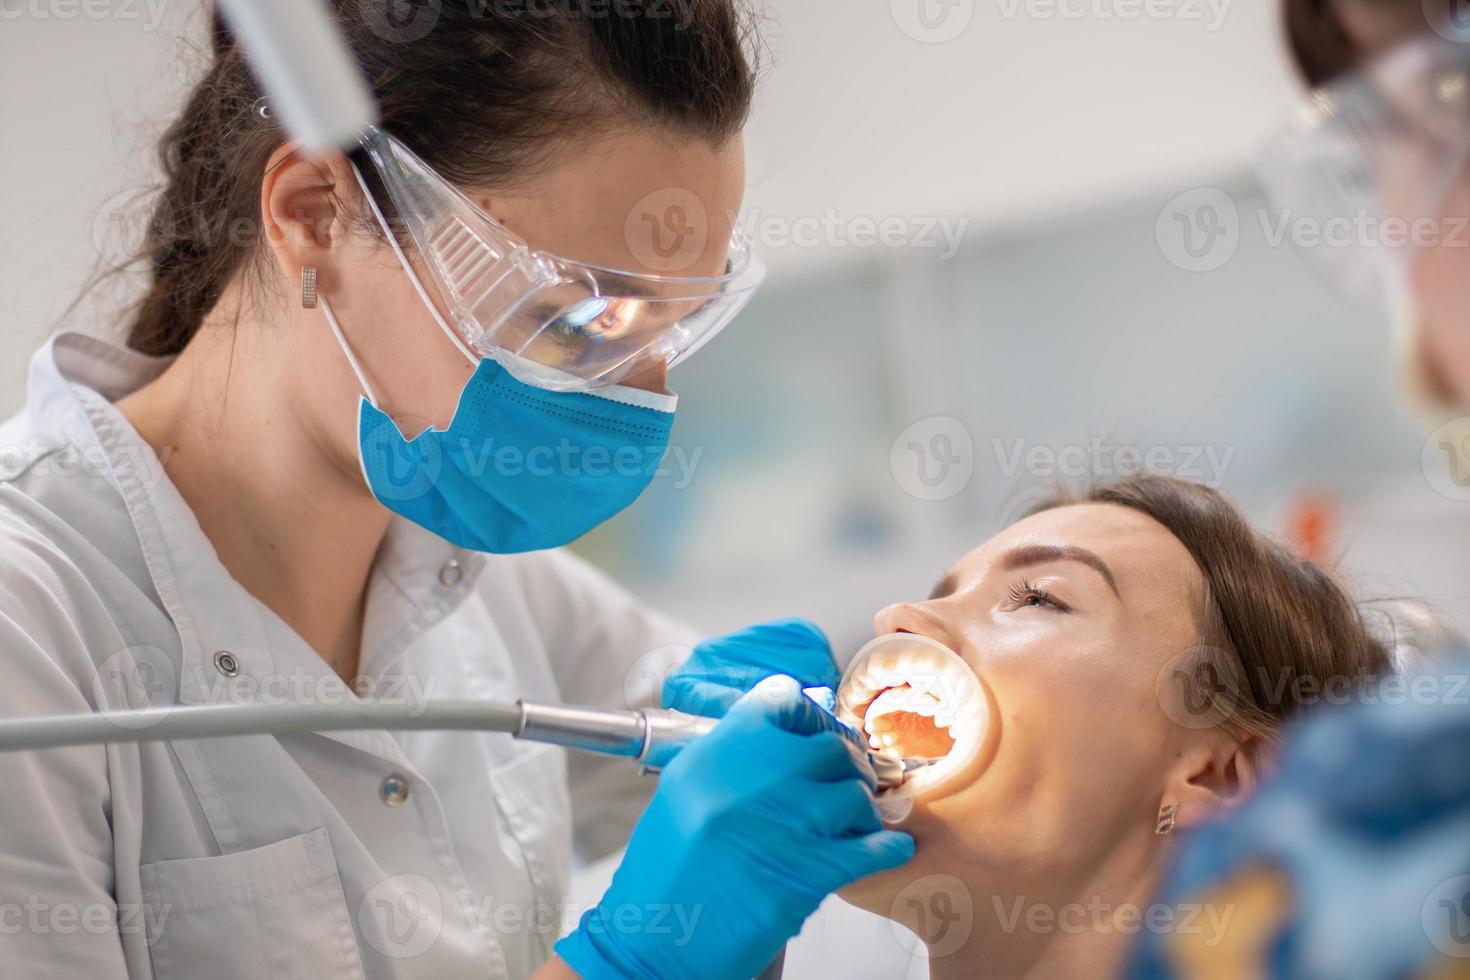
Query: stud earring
(1167, 813)
(308, 287)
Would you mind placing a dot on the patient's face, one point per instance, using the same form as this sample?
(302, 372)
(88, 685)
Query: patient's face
(1072, 656)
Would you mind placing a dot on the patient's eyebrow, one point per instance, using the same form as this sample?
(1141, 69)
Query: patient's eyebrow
(944, 587)
(1026, 555)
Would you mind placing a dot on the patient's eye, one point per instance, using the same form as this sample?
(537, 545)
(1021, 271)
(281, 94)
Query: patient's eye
(1025, 595)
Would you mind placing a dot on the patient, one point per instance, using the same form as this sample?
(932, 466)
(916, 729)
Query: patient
(1140, 649)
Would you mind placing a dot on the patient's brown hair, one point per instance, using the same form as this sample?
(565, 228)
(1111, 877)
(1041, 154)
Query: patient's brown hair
(1279, 631)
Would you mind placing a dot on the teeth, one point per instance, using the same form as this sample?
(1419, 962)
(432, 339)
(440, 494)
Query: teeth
(913, 696)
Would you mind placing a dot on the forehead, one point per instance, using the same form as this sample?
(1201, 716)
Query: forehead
(1147, 561)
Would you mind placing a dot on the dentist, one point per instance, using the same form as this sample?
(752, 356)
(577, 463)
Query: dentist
(305, 477)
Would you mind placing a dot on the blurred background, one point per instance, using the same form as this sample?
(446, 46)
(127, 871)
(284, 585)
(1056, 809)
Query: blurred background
(1011, 241)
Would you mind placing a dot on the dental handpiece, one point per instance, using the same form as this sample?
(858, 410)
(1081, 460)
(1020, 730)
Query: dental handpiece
(651, 736)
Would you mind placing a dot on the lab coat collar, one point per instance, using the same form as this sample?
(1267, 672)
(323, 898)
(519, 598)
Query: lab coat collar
(418, 577)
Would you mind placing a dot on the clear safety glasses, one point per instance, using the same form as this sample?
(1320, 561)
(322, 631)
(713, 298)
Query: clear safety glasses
(551, 321)
(1376, 168)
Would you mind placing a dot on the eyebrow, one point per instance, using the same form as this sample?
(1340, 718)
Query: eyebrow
(944, 587)
(1025, 556)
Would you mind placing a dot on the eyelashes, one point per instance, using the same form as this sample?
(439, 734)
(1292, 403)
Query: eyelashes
(1024, 595)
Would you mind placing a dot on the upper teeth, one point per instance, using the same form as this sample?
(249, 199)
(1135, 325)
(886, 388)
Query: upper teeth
(906, 673)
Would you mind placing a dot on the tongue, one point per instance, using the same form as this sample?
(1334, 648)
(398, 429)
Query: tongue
(909, 717)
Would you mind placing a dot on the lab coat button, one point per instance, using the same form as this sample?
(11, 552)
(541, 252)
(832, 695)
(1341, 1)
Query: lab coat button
(451, 574)
(394, 790)
(226, 663)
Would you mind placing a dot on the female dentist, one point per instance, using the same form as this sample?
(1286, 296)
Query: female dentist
(1355, 860)
(299, 482)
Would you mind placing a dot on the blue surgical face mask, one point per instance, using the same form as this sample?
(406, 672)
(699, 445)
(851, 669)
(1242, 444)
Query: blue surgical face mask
(519, 468)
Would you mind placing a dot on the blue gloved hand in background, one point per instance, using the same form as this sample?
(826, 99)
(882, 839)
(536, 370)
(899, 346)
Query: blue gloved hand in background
(751, 827)
(721, 670)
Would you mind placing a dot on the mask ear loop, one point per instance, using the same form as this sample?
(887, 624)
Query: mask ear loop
(367, 388)
(413, 277)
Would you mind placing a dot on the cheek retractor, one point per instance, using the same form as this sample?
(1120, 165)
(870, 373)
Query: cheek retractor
(914, 698)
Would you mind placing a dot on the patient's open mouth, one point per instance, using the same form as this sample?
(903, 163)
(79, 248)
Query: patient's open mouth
(915, 698)
(907, 721)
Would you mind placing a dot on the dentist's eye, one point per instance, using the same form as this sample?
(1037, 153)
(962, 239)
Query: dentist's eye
(1024, 595)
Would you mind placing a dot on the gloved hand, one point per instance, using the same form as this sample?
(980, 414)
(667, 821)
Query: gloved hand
(721, 670)
(750, 828)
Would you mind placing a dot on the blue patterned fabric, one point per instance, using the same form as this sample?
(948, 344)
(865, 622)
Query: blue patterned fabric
(1353, 862)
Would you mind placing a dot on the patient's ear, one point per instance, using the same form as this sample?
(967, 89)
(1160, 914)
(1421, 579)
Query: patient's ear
(1214, 775)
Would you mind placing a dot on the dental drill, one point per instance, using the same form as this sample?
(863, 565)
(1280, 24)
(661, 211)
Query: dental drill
(651, 737)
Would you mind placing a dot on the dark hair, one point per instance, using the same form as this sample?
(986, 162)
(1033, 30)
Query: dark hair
(1321, 43)
(1275, 629)
(483, 90)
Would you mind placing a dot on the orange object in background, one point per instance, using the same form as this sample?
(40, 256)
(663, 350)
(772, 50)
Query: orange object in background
(1311, 527)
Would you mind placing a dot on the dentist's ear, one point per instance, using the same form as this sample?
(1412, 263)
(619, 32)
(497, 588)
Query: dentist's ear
(1215, 774)
(300, 208)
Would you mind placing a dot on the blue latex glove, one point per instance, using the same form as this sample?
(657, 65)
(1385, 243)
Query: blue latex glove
(751, 827)
(721, 670)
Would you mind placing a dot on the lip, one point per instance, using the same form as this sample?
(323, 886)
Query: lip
(928, 689)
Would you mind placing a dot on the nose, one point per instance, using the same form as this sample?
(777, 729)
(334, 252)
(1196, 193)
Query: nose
(654, 378)
(914, 617)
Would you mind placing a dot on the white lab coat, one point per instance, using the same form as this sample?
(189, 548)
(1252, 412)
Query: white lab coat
(357, 854)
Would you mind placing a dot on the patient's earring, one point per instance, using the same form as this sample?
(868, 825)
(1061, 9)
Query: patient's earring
(308, 287)
(1167, 813)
